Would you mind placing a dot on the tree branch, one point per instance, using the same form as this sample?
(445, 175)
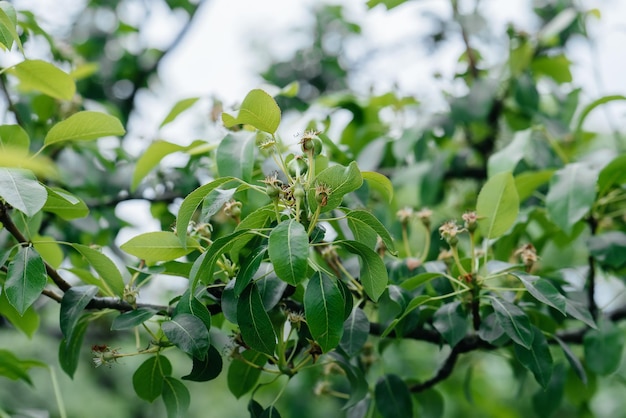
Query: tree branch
(591, 276)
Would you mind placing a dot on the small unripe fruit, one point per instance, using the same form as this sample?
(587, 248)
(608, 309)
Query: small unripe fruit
(297, 167)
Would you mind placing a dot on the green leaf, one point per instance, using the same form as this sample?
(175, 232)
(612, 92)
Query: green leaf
(176, 397)
(557, 67)
(547, 401)
(255, 325)
(373, 272)
(609, 249)
(26, 278)
(235, 156)
(242, 377)
(64, 204)
(188, 333)
(214, 201)
(207, 369)
(84, 126)
(190, 204)
(177, 109)
(573, 360)
(258, 109)
(191, 305)
(112, 280)
(16, 158)
(593, 105)
(579, 311)
(14, 368)
(28, 322)
(526, 183)
(49, 249)
(14, 137)
(450, 321)
(362, 220)
(20, 189)
(150, 158)
(70, 349)
(44, 77)
(542, 290)
(8, 27)
(393, 398)
(132, 318)
(537, 358)
(158, 246)
(419, 280)
(571, 195)
(248, 269)
(380, 183)
(149, 377)
(270, 412)
(288, 250)
(507, 158)
(341, 181)
(323, 307)
(358, 384)
(497, 205)
(356, 329)
(513, 321)
(613, 174)
(413, 304)
(603, 348)
(389, 4)
(73, 303)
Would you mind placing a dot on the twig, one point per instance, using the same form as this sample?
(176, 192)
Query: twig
(591, 275)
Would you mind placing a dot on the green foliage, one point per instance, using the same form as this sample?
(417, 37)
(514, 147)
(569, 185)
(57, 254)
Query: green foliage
(356, 265)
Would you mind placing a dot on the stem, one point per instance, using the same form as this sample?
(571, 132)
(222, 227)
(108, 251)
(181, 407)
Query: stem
(57, 393)
(591, 277)
(405, 240)
(314, 219)
(457, 260)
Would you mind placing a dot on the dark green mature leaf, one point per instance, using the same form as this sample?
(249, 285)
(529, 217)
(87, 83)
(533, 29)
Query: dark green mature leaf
(413, 304)
(547, 400)
(73, 303)
(507, 158)
(364, 220)
(191, 203)
(450, 320)
(149, 377)
(513, 321)
(214, 201)
(158, 246)
(537, 358)
(258, 109)
(288, 250)
(69, 349)
(542, 290)
(132, 318)
(28, 322)
(490, 330)
(176, 397)
(241, 376)
(14, 368)
(612, 174)
(358, 384)
(255, 325)
(207, 369)
(373, 272)
(64, 204)
(248, 269)
(497, 205)
(235, 156)
(579, 311)
(20, 189)
(571, 195)
(270, 412)
(189, 333)
(84, 126)
(603, 348)
(112, 280)
(323, 307)
(191, 305)
(341, 181)
(609, 248)
(393, 398)
(255, 409)
(573, 360)
(44, 77)
(26, 278)
(355, 332)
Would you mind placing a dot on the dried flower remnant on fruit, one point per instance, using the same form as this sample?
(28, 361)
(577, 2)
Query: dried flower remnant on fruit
(103, 354)
(311, 142)
(322, 191)
(268, 144)
(273, 186)
(449, 232)
(404, 215)
(232, 209)
(471, 221)
(528, 255)
(412, 263)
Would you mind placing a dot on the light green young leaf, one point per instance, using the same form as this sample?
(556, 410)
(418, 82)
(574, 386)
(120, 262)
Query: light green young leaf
(8, 27)
(112, 280)
(323, 307)
(288, 251)
(571, 195)
(612, 174)
(149, 377)
(26, 278)
(64, 204)
(235, 156)
(341, 181)
(593, 105)
(20, 189)
(497, 205)
(72, 305)
(536, 358)
(527, 182)
(177, 109)
(373, 272)
(150, 158)
(158, 246)
(380, 183)
(28, 322)
(259, 110)
(176, 397)
(16, 369)
(44, 77)
(513, 321)
(15, 158)
(507, 158)
(189, 334)
(14, 137)
(190, 204)
(84, 126)
(255, 325)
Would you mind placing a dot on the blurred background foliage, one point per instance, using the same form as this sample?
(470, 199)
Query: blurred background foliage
(436, 156)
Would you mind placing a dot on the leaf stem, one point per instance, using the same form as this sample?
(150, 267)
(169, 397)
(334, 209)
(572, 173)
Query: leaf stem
(57, 393)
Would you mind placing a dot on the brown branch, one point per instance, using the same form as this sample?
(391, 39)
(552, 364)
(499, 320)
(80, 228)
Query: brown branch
(472, 61)
(591, 275)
